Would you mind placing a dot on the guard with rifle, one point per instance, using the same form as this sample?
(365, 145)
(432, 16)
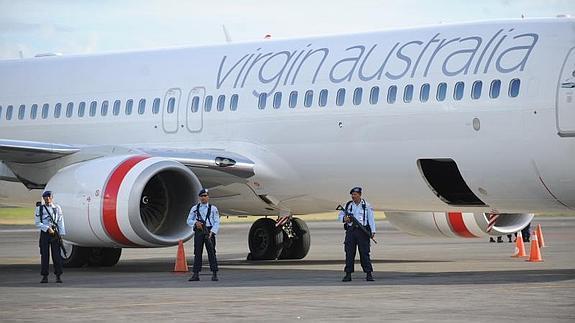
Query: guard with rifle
(205, 219)
(359, 225)
(50, 221)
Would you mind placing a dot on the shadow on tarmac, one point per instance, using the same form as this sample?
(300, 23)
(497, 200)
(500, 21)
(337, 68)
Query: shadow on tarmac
(241, 273)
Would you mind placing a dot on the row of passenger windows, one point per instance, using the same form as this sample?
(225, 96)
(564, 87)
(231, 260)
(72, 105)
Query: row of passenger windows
(392, 94)
(93, 108)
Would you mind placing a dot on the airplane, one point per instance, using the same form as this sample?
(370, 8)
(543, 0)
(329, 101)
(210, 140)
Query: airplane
(457, 130)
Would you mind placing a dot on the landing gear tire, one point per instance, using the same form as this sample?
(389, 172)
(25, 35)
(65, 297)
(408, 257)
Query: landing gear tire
(77, 256)
(265, 240)
(298, 246)
(104, 257)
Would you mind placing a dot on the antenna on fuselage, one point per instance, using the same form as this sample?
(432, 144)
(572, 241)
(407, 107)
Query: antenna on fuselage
(227, 34)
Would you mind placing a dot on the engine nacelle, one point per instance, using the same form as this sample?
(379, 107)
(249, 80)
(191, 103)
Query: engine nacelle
(457, 224)
(126, 201)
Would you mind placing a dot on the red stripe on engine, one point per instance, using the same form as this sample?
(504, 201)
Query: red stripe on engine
(109, 211)
(458, 226)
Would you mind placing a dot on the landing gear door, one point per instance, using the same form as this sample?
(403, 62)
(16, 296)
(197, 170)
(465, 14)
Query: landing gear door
(566, 98)
(194, 109)
(170, 110)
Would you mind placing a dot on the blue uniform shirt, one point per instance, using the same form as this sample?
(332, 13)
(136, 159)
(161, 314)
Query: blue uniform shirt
(213, 221)
(55, 211)
(357, 211)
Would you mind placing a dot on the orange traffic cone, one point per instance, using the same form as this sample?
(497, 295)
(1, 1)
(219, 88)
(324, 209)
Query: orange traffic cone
(535, 253)
(519, 247)
(181, 263)
(540, 236)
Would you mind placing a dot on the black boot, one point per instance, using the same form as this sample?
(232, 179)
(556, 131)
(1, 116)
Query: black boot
(195, 277)
(369, 277)
(347, 277)
(491, 239)
(58, 280)
(499, 239)
(44, 279)
(215, 276)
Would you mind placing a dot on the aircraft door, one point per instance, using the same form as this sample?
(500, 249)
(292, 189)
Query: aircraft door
(170, 110)
(194, 109)
(566, 98)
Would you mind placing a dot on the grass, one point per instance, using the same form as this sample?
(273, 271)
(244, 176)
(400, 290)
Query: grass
(23, 216)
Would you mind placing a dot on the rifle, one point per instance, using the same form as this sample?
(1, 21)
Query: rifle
(55, 228)
(206, 233)
(355, 223)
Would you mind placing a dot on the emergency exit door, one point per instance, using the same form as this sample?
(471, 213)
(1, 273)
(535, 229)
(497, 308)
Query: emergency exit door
(566, 98)
(194, 109)
(170, 110)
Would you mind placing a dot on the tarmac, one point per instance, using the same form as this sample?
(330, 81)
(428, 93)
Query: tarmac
(417, 279)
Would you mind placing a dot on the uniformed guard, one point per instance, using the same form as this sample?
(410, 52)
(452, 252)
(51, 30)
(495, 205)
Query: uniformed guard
(205, 219)
(50, 221)
(356, 238)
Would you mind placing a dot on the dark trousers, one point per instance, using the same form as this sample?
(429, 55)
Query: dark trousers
(354, 239)
(526, 232)
(48, 243)
(201, 239)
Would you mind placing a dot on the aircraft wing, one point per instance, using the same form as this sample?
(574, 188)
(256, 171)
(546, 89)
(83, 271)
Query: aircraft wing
(27, 152)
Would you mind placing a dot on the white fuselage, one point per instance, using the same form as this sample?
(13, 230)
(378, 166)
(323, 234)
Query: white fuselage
(507, 149)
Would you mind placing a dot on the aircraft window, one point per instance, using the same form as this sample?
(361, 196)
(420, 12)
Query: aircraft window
(262, 100)
(292, 99)
(142, 106)
(57, 110)
(408, 93)
(308, 98)
(156, 106)
(340, 97)
(458, 90)
(277, 100)
(357, 94)
(69, 109)
(45, 111)
(81, 109)
(221, 102)
(94, 105)
(208, 103)
(424, 92)
(391, 94)
(104, 108)
(33, 111)
(172, 104)
(323, 98)
(514, 88)
(116, 108)
(476, 90)
(129, 106)
(374, 95)
(495, 89)
(9, 112)
(21, 112)
(234, 102)
(441, 91)
(195, 104)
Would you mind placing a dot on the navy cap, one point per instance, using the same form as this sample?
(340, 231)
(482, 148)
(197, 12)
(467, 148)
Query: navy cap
(47, 194)
(203, 191)
(356, 189)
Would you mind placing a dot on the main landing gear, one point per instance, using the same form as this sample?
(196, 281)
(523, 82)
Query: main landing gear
(269, 241)
(91, 256)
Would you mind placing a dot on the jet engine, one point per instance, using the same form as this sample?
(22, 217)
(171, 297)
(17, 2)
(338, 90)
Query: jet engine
(458, 224)
(125, 201)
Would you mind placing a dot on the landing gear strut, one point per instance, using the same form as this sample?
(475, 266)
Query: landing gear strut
(268, 241)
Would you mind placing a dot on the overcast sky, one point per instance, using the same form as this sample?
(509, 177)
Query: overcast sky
(84, 26)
